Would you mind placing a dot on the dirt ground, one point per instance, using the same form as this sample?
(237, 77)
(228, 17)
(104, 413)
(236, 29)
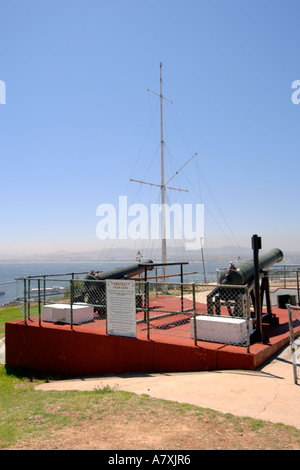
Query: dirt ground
(160, 429)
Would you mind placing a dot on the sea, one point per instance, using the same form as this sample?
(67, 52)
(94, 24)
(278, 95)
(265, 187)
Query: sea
(10, 271)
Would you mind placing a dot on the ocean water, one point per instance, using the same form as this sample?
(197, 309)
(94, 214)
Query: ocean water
(9, 271)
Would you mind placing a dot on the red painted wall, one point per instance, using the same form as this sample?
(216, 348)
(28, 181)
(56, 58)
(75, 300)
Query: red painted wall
(77, 353)
(87, 351)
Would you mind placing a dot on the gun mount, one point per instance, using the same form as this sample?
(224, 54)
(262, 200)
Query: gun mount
(252, 275)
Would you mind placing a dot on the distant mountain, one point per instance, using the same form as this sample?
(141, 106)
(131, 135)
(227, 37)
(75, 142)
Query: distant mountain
(222, 254)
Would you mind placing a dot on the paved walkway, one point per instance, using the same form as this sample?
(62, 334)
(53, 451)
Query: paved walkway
(269, 394)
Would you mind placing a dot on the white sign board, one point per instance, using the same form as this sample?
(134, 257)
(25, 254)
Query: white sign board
(121, 308)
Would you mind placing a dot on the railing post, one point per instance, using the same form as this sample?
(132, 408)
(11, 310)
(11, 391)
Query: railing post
(292, 339)
(147, 308)
(194, 313)
(44, 288)
(28, 294)
(181, 290)
(25, 301)
(298, 297)
(71, 302)
(39, 298)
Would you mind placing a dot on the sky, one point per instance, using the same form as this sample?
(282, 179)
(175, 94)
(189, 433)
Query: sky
(78, 120)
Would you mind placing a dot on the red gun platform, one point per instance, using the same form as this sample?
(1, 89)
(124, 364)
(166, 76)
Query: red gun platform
(87, 350)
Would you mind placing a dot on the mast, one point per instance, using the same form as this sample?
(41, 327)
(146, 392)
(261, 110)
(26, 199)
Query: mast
(163, 188)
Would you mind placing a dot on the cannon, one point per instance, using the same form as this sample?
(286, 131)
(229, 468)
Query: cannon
(243, 273)
(93, 291)
(125, 272)
(252, 275)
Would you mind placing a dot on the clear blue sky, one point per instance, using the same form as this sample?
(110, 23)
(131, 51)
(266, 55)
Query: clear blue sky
(78, 122)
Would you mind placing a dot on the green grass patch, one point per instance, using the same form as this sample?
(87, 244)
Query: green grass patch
(8, 314)
(27, 414)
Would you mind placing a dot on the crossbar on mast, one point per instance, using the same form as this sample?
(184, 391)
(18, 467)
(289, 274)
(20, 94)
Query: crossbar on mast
(159, 185)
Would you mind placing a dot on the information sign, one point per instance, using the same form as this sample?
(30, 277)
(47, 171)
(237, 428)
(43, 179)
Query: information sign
(121, 308)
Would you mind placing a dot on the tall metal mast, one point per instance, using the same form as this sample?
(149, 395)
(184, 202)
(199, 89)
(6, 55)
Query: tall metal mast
(163, 188)
(163, 185)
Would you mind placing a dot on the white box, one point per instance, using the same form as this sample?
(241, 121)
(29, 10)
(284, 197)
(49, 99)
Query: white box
(221, 329)
(62, 313)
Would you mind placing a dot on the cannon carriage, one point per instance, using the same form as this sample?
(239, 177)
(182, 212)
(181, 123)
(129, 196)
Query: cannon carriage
(239, 280)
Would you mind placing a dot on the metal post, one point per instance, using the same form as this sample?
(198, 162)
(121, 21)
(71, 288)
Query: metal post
(256, 246)
(163, 188)
(298, 296)
(194, 312)
(28, 294)
(25, 301)
(248, 318)
(71, 302)
(44, 287)
(147, 308)
(39, 297)
(292, 339)
(181, 280)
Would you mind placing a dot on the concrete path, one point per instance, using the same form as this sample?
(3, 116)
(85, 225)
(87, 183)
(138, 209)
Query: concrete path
(269, 394)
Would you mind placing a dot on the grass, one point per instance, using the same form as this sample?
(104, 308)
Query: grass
(27, 413)
(8, 314)
(28, 416)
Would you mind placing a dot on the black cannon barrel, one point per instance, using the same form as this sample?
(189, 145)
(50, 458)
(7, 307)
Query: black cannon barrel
(130, 270)
(243, 273)
(93, 291)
